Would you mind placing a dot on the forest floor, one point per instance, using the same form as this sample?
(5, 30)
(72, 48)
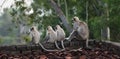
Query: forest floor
(100, 51)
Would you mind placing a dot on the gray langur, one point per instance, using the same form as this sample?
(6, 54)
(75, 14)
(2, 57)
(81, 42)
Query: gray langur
(60, 35)
(35, 36)
(51, 36)
(81, 28)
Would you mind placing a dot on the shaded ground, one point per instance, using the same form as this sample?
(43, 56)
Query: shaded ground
(99, 50)
(96, 53)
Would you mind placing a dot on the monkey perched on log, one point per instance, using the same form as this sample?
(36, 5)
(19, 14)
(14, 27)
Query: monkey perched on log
(51, 36)
(80, 30)
(35, 36)
(60, 35)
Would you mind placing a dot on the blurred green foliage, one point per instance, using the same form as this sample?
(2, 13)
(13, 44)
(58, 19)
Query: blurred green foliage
(43, 15)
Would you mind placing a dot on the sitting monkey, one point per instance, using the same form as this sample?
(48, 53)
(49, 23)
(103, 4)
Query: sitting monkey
(60, 35)
(35, 35)
(80, 30)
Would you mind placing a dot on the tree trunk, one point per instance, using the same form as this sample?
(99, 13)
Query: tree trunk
(87, 11)
(66, 9)
(106, 30)
(104, 34)
(61, 15)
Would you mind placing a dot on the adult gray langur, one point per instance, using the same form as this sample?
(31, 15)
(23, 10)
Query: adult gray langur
(81, 28)
(35, 35)
(60, 35)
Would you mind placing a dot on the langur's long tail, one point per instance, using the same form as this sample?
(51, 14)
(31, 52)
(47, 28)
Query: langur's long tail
(45, 48)
(71, 36)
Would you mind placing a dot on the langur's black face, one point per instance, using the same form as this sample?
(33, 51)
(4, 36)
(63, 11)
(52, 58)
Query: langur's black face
(32, 29)
(56, 26)
(74, 19)
(48, 28)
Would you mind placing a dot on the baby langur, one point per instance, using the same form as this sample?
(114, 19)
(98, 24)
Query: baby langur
(35, 36)
(81, 28)
(60, 35)
(51, 36)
